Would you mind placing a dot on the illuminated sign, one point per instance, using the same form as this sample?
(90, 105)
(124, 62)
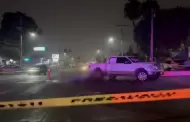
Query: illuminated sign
(39, 49)
(55, 57)
(27, 59)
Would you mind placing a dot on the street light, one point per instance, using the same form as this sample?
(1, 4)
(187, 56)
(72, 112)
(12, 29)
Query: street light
(32, 34)
(111, 40)
(98, 51)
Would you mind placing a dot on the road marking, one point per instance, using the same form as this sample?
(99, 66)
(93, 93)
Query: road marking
(34, 89)
(55, 81)
(35, 116)
(26, 82)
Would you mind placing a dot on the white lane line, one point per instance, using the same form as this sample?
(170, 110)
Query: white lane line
(48, 81)
(35, 116)
(25, 82)
(55, 81)
(34, 89)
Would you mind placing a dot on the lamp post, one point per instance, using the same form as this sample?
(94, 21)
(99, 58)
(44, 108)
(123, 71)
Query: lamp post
(152, 37)
(122, 36)
(21, 40)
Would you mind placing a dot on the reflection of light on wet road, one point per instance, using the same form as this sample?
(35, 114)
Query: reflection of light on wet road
(36, 115)
(35, 89)
(32, 79)
(55, 81)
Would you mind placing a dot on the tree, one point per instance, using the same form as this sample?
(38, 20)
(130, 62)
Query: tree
(67, 50)
(132, 10)
(10, 52)
(130, 51)
(148, 6)
(13, 24)
(171, 28)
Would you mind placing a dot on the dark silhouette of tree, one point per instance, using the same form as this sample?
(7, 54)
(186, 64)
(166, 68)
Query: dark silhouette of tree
(10, 52)
(67, 50)
(132, 10)
(13, 24)
(135, 9)
(170, 29)
(148, 6)
(130, 51)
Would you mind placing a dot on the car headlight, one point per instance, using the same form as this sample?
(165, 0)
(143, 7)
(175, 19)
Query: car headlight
(84, 68)
(154, 67)
(33, 70)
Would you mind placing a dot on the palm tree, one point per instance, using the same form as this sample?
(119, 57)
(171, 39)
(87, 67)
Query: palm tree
(135, 9)
(132, 10)
(148, 6)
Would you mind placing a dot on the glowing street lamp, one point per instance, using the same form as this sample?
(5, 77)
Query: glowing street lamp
(98, 51)
(111, 40)
(32, 34)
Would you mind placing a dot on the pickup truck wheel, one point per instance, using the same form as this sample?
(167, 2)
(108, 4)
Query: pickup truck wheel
(98, 75)
(141, 75)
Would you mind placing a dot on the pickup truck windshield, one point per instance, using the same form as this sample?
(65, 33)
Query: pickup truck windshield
(135, 59)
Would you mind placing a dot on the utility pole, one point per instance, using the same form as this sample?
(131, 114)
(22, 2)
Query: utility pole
(122, 37)
(21, 49)
(152, 37)
(21, 38)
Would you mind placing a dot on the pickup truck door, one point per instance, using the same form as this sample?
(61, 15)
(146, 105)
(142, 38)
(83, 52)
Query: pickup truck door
(122, 66)
(111, 65)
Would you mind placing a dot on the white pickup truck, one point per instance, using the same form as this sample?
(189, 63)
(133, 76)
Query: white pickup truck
(125, 66)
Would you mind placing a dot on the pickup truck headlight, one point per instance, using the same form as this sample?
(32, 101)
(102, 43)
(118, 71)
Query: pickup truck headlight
(154, 67)
(84, 68)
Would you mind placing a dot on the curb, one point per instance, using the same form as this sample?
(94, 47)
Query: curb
(176, 73)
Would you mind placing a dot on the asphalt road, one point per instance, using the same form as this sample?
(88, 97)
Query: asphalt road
(72, 83)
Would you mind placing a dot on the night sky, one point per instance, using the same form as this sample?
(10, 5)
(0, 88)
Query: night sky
(82, 25)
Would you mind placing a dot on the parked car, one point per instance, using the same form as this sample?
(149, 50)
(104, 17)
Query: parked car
(170, 64)
(38, 69)
(125, 66)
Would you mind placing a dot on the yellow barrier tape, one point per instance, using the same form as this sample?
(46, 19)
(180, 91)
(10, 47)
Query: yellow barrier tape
(99, 99)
